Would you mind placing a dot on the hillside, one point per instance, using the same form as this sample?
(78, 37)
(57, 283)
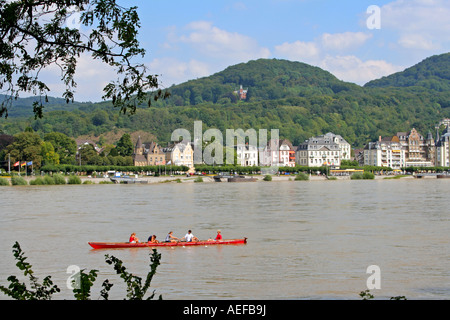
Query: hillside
(22, 107)
(265, 79)
(432, 73)
(299, 100)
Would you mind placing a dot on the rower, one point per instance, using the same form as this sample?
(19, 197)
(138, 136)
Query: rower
(189, 237)
(133, 238)
(171, 238)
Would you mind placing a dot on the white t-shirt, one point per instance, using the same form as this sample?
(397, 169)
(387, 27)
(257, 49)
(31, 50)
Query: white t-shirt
(189, 237)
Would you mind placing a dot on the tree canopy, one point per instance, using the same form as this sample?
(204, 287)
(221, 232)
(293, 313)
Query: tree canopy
(35, 35)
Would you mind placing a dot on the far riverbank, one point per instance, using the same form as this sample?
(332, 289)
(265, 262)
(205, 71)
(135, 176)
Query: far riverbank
(209, 178)
(143, 179)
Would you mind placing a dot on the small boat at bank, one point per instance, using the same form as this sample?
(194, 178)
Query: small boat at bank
(233, 178)
(127, 180)
(115, 245)
(119, 178)
(241, 179)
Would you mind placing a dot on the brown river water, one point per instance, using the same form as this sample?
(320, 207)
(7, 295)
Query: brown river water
(306, 240)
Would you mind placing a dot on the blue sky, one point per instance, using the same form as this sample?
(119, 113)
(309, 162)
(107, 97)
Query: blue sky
(191, 39)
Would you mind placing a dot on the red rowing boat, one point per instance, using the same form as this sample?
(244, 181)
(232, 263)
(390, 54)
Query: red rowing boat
(113, 245)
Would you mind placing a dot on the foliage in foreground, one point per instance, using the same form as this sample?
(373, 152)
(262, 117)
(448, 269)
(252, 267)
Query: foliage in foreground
(18, 181)
(301, 176)
(362, 176)
(366, 295)
(82, 289)
(112, 39)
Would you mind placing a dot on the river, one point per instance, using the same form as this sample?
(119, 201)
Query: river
(306, 239)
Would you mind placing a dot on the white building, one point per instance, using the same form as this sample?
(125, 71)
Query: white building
(443, 149)
(344, 147)
(385, 153)
(180, 154)
(247, 155)
(279, 153)
(319, 151)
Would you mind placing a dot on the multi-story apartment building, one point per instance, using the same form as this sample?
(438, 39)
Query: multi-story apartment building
(279, 153)
(419, 152)
(327, 149)
(405, 149)
(387, 152)
(287, 154)
(443, 149)
(247, 155)
(344, 147)
(319, 151)
(180, 154)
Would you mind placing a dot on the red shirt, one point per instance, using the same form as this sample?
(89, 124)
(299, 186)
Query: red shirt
(219, 236)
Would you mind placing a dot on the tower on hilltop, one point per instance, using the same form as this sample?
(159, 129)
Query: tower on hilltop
(242, 93)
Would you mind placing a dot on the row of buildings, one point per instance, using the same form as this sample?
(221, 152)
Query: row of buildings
(404, 149)
(152, 154)
(328, 149)
(407, 149)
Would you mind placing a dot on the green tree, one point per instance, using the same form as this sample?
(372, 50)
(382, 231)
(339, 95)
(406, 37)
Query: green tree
(48, 154)
(26, 147)
(99, 118)
(65, 147)
(87, 153)
(35, 34)
(125, 145)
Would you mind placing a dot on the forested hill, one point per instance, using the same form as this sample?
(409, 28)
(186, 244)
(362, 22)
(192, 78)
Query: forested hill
(265, 79)
(432, 73)
(22, 107)
(298, 99)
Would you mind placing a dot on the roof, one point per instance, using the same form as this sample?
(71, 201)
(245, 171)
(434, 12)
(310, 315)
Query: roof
(152, 147)
(287, 142)
(319, 141)
(331, 135)
(139, 142)
(180, 145)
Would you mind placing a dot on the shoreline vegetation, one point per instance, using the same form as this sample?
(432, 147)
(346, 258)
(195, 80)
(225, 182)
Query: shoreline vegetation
(69, 174)
(59, 179)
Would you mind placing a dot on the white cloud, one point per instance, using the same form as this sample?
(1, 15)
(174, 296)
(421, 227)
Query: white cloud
(91, 77)
(351, 68)
(173, 71)
(344, 41)
(213, 41)
(298, 50)
(214, 49)
(322, 53)
(418, 41)
(312, 51)
(420, 24)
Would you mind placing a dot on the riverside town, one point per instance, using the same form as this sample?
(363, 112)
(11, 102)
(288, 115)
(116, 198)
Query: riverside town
(253, 153)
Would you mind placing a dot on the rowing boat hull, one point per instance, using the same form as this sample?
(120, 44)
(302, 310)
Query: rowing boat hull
(114, 245)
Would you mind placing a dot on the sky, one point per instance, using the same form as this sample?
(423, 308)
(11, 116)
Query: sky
(356, 40)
